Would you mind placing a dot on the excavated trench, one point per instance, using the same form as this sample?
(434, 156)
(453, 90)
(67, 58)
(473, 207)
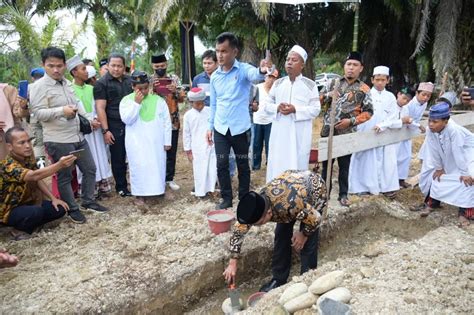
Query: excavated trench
(203, 291)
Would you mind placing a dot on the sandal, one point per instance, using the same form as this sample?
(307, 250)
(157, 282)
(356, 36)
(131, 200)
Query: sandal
(417, 208)
(390, 195)
(344, 202)
(426, 211)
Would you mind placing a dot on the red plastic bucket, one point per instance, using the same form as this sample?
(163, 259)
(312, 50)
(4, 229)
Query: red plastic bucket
(254, 298)
(313, 156)
(220, 220)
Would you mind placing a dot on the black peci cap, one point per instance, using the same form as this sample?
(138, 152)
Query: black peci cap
(250, 208)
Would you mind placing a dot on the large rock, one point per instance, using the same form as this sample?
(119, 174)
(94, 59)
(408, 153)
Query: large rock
(303, 301)
(327, 282)
(328, 306)
(293, 291)
(338, 294)
(227, 306)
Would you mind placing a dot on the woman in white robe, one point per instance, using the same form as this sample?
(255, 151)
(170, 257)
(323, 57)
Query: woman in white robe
(147, 137)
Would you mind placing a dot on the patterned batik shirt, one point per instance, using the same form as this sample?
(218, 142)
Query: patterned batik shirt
(14, 191)
(293, 196)
(354, 102)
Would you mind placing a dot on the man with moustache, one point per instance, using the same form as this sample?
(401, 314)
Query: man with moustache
(293, 103)
(353, 107)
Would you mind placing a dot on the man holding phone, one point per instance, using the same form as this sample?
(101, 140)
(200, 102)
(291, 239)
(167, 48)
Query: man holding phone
(54, 104)
(467, 96)
(166, 86)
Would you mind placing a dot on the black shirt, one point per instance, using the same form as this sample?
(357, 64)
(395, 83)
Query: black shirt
(112, 90)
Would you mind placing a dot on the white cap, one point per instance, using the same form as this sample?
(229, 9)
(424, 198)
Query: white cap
(91, 72)
(300, 51)
(73, 62)
(381, 70)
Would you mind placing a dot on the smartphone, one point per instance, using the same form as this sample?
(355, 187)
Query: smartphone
(160, 86)
(470, 90)
(23, 89)
(77, 153)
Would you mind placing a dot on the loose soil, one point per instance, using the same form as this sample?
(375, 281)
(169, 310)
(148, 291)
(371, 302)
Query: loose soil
(162, 258)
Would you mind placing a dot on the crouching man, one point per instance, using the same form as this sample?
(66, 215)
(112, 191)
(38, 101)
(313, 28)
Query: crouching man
(20, 183)
(292, 196)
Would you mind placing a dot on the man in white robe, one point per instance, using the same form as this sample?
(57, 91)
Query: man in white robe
(147, 138)
(450, 149)
(373, 171)
(416, 108)
(293, 103)
(198, 150)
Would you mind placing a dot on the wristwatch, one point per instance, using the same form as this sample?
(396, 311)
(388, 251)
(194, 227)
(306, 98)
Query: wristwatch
(104, 131)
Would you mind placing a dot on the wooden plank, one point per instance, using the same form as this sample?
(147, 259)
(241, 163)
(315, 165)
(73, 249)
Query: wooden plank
(360, 141)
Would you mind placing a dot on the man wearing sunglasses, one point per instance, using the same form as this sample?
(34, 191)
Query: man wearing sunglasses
(22, 187)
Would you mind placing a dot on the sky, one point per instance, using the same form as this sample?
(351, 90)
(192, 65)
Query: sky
(70, 24)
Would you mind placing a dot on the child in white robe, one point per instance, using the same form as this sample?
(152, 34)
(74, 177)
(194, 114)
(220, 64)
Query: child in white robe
(450, 149)
(198, 151)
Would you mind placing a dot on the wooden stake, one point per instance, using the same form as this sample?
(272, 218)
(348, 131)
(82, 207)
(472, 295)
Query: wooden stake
(332, 117)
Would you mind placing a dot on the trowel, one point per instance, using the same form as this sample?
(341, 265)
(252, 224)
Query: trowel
(234, 296)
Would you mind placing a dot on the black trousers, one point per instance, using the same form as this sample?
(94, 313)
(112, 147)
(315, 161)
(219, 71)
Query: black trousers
(344, 163)
(240, 144)
(171, 156)
(27, 218)
(281, 259)
(118, 155)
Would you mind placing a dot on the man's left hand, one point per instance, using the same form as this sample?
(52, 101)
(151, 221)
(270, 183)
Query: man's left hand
(298, 240)
(95, 124)
(467, 180)
(422, 129)
(2, 125)
(343, 124)
(58, 202)
(172, 87)
(437, 174)
(377, 129)
(265, 65)
(167, 147)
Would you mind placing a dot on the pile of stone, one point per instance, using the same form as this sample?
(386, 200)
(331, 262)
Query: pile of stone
(325, 295)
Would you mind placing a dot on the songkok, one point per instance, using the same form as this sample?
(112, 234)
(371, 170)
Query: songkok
(139, 77)
(354, 55)
(439, 111)
(250, 209)
(73, 63)
(300, 51)
(158, 58)
(426, 86)
(37, 72)
(196, 94)
(91, 72)
(449, 97)
(274, 73)
(103, 62)
(381, 70)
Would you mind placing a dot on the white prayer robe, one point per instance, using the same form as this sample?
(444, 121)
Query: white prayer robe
(144, 143)
(415, 111)
(98, 148)
(290, 139)
(453, 151)
(375, 170)
(204, 156)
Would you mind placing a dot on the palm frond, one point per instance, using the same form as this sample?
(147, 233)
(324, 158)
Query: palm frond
(261, 9)
(158, 14)
(423, 38)
(444, 46)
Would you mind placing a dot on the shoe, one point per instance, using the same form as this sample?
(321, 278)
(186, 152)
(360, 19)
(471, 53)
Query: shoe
(77, 217)
(271, 285)
(95, 206)
(173, 185)
(403, 184)
(124, 193)
(344, 201)
(224, 205)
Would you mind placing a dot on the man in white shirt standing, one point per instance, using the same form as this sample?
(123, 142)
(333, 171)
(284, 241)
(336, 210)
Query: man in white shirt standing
(293, 103)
